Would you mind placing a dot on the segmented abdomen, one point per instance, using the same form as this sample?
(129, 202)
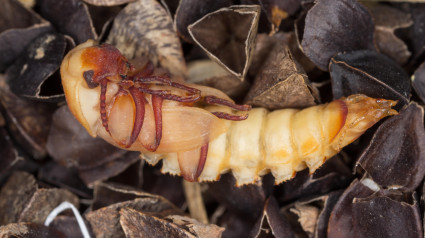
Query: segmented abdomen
(284, 141)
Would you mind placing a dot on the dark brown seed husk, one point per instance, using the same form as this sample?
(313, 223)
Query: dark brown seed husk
(340, 221)
(68, 225)
(309, 67)
(30, 203)
(28, 121)
(113, 168)
(387, 20)
(20, 186)
(105, 221)
(418, 82)
(333, 175)
(32, 75)
(110, 169)
(18, 27)
(277, 11)
(44, 201)
(329, 201)
(14, 15)
(230, 45)
(209, 73)
(63, 177)
(9, 153)
(29, 230)
(164, 185)
(135, 223)
(105, 194)
(71, 146)
(70, 17)
(107, 3)
(281, 83)
(417, 31)
(189, 11)
(109, 194)
(102, 18)
(195, 227)
(310, 216)
(264, 45)
(395, 157)
(236, 225)
(246, 200)
(271, 222)
(385, 215)
(369, 73)
(144, 29)
(171, 6)
(333, 26)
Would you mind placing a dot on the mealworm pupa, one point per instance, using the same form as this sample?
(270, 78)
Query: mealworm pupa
(199, 132)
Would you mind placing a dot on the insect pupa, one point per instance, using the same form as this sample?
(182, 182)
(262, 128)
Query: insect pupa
(199, 132)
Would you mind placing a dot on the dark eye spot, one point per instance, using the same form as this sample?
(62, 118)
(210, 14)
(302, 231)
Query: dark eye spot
(88, 76)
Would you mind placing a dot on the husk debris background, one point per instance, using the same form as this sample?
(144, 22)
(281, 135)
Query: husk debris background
(320, 49)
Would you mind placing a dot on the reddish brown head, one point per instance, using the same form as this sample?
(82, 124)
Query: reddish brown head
(106, 62)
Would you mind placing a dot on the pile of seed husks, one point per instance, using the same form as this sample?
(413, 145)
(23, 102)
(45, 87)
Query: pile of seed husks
(267, 53)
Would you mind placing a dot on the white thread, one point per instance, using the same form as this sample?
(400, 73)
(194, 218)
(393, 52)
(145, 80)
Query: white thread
(62, 207)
